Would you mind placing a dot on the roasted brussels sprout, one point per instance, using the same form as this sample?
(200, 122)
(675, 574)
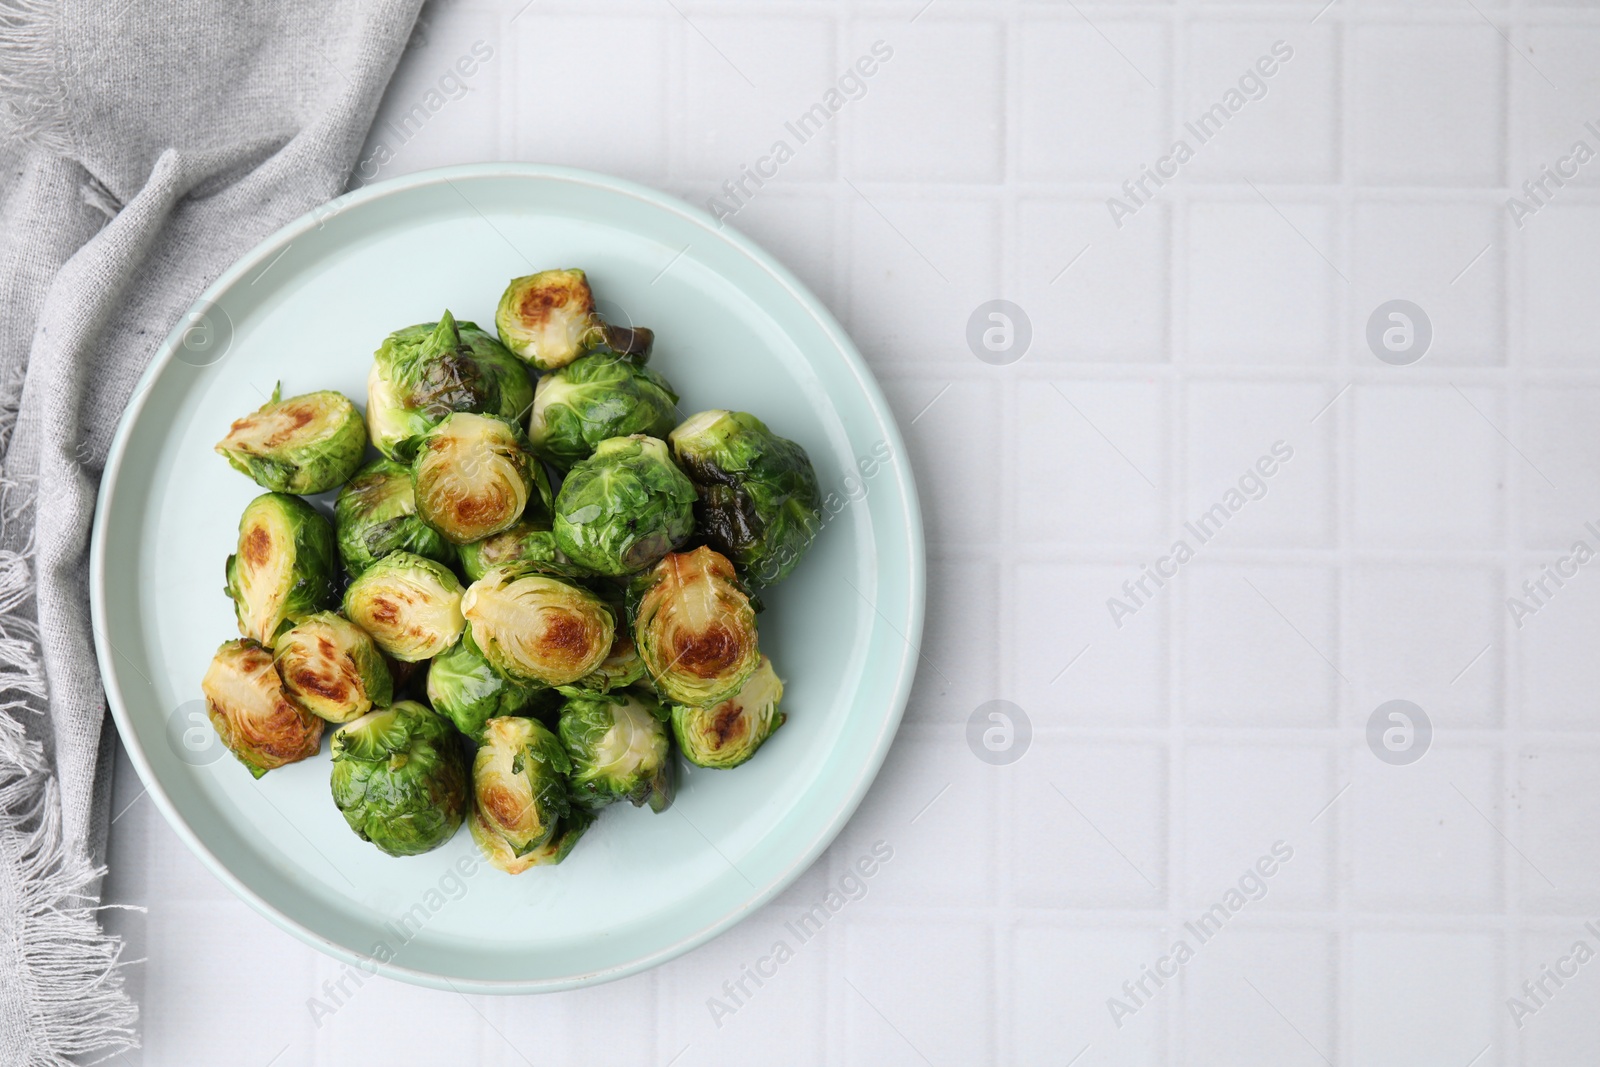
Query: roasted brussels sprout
(624, 507)
(423, 373)
(400, 778)
(473, 477)
(727, 733)
(284, 569)
(376, 514)
(519, 786)
(332, 668)
(695, 627)
(621, 667)
(500, 854)
(306, 444)
(537, 628)
(549, 320)
(463, 686)
(530, 540)
(252, 715)
(759, 502)
(594, 398)
(411, 605)
(619, 750)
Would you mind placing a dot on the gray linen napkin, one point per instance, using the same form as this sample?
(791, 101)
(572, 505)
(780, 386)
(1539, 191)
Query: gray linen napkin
(144, 145)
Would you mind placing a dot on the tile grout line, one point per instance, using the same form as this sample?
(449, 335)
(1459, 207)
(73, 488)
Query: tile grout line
(1341, 1023)
(1176, 485)
(1516, 481)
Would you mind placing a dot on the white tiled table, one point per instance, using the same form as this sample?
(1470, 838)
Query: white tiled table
(1228, 712)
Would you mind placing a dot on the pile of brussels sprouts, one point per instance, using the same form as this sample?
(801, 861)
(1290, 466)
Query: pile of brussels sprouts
(533, 594)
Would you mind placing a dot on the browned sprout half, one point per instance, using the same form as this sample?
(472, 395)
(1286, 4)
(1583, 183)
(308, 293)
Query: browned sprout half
(694, 627)
(410, 605)
(473, 478)
(332, 668)
(729, 732)
(537, 628)
(286, 566)
(252, 714)
(548, 319)
(306, 444)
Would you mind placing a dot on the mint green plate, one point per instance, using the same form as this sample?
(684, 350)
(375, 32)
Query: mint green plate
(734, 330)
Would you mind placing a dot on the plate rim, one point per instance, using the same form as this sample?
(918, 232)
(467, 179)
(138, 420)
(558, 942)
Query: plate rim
(812, 305)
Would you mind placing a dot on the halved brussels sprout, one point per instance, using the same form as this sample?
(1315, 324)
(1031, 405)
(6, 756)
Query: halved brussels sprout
(400, 778)
(759, 501)
(423, 373)
(463, 686)
(549, 320)
(284, 569)
(727, 733)
(411, 605)
(624, 507)
(695, 627)
(500, 854)
(332, 668)
(619, 750)
(519, 785)
(537, 628)
(594, 398)
(621, 667)
(530, 540)
(473, 477)
(306, 444)
(252, 715)
(376, 514)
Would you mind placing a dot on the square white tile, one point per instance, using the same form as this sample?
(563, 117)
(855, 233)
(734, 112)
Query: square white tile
(1557, 1020)
(1555, 97)
(1090, 825)
(1252, 645)
(1559, 278)
(1431, 635)
(1554, 631)
(1095, 292)
(1558, 813)
(1553, 432)
(553, 53)
(1395, 1027)
(1428, 462)
(1262, 997)
(1075, 666)
(955, 472)
(887, 1021)
(1427, 104)
(1259, 816)
(1064, 979)
(1277, 87)
(1093, 460)
(918, 269)
(748, 84)
(1065, 61)
(1258, 471)
(1261, 280)
(1448, 259)
(952, 68)
(1427, 836)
